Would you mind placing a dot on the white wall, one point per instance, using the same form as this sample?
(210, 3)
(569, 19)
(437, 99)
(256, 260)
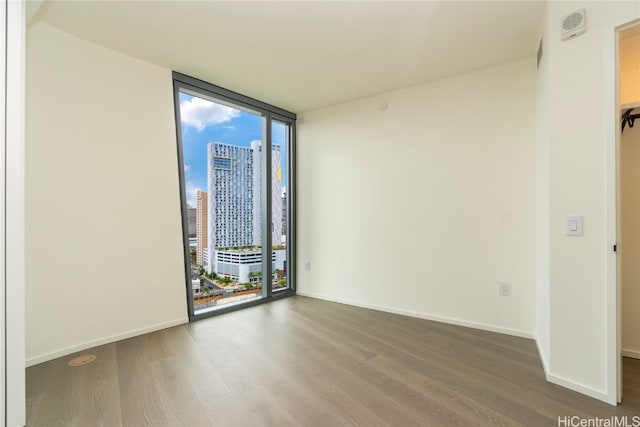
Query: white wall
(630, 248)
(425, 207)
(104, 244)
(580, 101)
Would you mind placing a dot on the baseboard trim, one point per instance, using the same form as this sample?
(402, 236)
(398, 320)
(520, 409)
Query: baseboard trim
(580, 388)
(631, 353)
(105, 340)
(435, 318)
(542, 359)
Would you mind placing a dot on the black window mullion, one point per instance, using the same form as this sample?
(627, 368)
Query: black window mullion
(291, 208)
(267, 224)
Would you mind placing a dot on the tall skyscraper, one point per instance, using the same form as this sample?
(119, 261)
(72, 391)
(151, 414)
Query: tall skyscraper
(191, 221)
(234, 196)
(276, 200)
(284, 211)
(201, 226)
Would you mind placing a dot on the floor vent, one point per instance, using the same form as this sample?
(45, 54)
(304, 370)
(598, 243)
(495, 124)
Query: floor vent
(81, 360)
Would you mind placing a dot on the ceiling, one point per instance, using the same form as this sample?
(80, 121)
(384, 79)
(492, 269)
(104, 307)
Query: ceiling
(305, 55)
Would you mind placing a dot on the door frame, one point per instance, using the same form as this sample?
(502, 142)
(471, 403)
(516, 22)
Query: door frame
(12, 159)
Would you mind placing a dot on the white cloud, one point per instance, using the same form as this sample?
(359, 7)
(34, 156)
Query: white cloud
(200, 113)
(187, 168)
(190, 191)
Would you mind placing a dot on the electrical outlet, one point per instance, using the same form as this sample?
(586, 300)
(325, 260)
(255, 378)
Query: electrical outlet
(504, 289)
(307, 265)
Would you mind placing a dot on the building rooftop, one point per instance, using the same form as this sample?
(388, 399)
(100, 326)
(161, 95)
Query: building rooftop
(246, 249)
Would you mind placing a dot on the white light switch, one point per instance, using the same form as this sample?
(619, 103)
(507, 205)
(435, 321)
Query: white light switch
(573, 226)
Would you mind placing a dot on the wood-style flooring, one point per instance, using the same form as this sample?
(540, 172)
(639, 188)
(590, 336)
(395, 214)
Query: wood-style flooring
(300, 361)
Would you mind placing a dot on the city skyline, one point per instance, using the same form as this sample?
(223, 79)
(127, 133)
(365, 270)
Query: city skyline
(203, 122)
(223, 156)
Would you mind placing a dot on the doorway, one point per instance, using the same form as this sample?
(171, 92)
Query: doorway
(629, 195)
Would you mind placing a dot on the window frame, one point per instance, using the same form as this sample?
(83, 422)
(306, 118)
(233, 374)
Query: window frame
(269, 114)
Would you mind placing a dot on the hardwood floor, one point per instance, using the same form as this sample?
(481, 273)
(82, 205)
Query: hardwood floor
(301, 361)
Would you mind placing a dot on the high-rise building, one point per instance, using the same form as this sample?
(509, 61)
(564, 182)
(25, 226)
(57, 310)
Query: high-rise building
(201, 226)
(191, 221)
(284, 211)
(276, 200)
(230, 191)
(234, 183)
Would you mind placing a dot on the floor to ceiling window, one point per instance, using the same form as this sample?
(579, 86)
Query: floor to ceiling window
(236, 166)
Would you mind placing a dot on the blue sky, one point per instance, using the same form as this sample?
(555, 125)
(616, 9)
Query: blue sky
(202, 122)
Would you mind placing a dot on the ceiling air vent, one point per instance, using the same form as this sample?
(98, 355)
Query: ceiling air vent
(574, 24)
